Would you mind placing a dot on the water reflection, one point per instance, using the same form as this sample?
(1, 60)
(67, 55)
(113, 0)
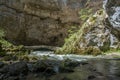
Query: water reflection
(109, 68)
(95, 69)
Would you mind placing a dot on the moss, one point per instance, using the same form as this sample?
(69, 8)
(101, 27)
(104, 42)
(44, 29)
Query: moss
(7, 58)
(8, 51)
(72, 43)
(34, 58)
(105, 48)
(24, 58)
(112, 50)
(85, 13)
(28, 58)
(88, 51)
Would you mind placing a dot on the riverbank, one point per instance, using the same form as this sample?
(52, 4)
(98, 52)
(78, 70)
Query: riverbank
(95, 69)
(46, 65)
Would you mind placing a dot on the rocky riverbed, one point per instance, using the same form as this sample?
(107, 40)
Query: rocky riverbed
(62, 67)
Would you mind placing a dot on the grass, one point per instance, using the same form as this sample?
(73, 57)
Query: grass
(112, 51)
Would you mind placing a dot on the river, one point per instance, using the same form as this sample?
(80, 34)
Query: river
(78, 67)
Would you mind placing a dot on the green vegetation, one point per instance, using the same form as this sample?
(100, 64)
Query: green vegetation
(3, 42)
(112, 51)
(8, 51)
(2, 53)
(5, 45)
(72, 43)
(85, 14)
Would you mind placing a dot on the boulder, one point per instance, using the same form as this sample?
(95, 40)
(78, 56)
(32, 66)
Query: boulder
(112, 8)
(1, 64)
(100, 33)
(15, 69)
(41, 22)
(94, 37)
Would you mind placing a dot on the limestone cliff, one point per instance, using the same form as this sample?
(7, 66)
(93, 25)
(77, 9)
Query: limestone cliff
(41, 22)
(101, 32)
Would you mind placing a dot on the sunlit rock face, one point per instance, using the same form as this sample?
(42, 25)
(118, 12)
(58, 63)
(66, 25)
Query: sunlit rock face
(112, 8)
(105, 31)
(94, 37)
(99, 36)
(41, 22)
(115, 18)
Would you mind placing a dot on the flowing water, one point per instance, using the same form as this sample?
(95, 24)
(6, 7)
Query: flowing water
(88, 68)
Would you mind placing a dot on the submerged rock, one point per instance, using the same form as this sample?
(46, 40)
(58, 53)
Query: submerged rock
(20, 70)
(15, 69)
(103, 69)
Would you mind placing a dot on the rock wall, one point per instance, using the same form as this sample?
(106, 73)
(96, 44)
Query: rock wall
(93, 38)
(41, 22)
(112, 8)
(100, 33)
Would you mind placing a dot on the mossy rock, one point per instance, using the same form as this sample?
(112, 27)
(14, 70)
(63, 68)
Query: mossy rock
(88, 51)
(93, 38)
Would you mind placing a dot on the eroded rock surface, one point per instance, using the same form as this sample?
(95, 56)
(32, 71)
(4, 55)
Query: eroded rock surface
(101, 32)
(112, 8)
(41, 22)
(94, 37)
